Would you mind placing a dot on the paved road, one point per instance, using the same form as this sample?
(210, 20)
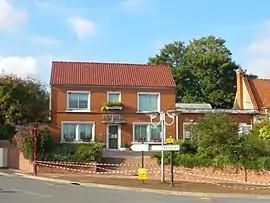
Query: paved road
(19, 190)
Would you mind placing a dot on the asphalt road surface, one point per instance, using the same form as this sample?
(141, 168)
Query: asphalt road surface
(19, 190)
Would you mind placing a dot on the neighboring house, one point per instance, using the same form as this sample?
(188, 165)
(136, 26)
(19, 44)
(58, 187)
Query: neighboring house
(252, 94)
(107, 102)
(190, 113)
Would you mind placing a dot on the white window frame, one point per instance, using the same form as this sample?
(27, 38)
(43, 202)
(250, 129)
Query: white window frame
(148, 130)
(184, 126)
(148, 93)
(108, 93)
(79, 110)
(77, 131)
(240, 125)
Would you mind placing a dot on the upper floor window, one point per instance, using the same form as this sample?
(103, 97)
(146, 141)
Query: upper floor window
(78, 101)
(148, 101)
(113, 97)
(73, 131)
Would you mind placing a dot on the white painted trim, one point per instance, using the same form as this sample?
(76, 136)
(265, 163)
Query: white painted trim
(177, 127)
(119, 136)
(147, 131)
(77, 130)
(185, 124)
(240, 125)
(120, 96)
(79, 110)
(148, 93)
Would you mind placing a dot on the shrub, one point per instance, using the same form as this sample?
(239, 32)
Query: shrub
(80, 152)
(186, 147)
(213, 132)
(25, 142)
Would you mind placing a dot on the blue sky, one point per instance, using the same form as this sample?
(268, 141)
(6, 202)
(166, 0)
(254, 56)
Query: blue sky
(35, 32)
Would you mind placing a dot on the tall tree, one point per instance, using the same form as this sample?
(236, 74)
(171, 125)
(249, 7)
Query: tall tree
(22, 100)
(203, 70)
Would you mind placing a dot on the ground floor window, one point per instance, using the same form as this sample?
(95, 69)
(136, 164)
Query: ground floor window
(77, 131)
(147, 132)
(243, 128)
(187, 131)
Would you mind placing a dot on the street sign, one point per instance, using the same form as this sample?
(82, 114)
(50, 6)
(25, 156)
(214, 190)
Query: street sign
(164, 147)
(169, 140)
(140, 147)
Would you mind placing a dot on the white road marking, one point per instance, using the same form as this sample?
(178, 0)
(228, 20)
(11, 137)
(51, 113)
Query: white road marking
(205, 198)
(32, 193)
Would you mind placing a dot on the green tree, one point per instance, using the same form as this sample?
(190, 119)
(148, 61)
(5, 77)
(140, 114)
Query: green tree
(22, 100)
(212, 133)
(204, 71)
(7, 132)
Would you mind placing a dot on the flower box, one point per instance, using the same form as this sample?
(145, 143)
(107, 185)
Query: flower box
(112, 106)
(86, 139)
(156, 139)
(69, 139)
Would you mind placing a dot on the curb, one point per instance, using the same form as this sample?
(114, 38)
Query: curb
(145, 190)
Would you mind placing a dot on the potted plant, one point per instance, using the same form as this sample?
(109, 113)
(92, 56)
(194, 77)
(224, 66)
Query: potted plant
(156, 139)
(141, 139)
(86, 139)
(67, 139)
(112, 106)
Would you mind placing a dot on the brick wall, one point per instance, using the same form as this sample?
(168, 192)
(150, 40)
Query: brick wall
(15, 159)
(13, 154)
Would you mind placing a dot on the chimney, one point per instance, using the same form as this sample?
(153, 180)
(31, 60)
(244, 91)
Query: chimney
(239, 85)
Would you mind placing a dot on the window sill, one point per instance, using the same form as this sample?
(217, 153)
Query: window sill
(147, 143)
(75, 142)
(78, 111)
(145, 112)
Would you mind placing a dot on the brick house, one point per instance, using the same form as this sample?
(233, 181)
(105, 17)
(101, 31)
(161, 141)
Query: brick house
(107, 102)
(190, 113)
(252, 94)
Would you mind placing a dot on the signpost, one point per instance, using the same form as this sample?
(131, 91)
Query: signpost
(164, 148)
(147, 147)
(140, 147)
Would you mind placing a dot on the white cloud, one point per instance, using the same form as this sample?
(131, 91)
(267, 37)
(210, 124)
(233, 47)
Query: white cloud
(131, 3)
(11, 18)
(257, 59)
(261, 46)
(82, 27)
(21, 66)
(45, 40)
(35, 66)
(136, 5)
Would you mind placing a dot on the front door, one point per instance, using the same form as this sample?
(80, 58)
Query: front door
(113, 136)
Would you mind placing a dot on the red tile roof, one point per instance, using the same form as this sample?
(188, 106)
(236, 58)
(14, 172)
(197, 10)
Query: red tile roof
(260, 91)
(86, 73)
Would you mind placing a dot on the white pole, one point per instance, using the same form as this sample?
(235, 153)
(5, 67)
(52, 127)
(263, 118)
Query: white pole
(162, 117)
(176, 128)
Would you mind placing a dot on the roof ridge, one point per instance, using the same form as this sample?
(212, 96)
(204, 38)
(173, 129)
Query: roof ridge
(111, 63)
(261, 79)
